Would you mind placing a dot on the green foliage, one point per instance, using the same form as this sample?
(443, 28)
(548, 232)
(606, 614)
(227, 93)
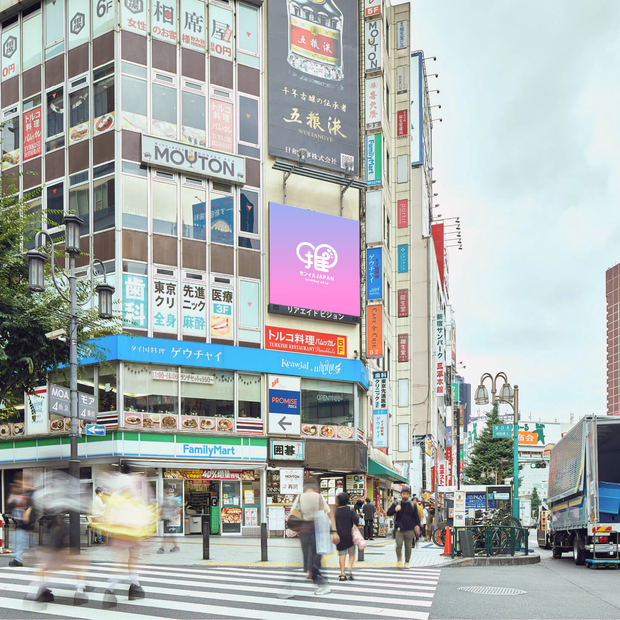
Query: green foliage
(26, 355)
(535, 503)
(483, 466)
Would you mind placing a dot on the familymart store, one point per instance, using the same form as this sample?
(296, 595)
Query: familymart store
(222, 478)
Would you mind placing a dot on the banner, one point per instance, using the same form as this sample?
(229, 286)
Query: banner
(315, 343)
(403, 347)
(403, 258)
(402, 123)
(403, 303)
(380, 418)
(33, 133)
(374, 102)
(374, 331)
(135, 301)
(165, 306)
(193, 33)
(313, 83)
(374, 154)
(417, 101)
(133, 16)
(440, 350)
(221, 24)
(222, 313)
(403, 213)
(372, 46)
(374, 274)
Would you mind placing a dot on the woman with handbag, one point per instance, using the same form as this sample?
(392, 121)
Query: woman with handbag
(346, 520)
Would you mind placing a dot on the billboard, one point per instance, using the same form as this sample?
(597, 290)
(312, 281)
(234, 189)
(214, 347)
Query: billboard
(373, 160)
(374, 331)
(302, 341)
(374, 274)
(313, 82)
(313, 263)
(415, 118)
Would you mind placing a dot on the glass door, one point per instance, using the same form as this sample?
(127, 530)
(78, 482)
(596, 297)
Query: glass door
(231, 507)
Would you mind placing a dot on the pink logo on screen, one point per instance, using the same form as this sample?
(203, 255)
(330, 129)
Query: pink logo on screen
(322, 257)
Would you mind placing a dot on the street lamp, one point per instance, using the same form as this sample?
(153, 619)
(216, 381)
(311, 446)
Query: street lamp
(36, 283)
(510, 397)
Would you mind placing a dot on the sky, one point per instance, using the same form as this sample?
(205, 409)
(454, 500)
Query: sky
(527, 156)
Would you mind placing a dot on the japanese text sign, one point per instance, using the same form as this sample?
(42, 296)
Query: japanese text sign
(222, 313)
(192, 22)
(402, 40)
(103, 16)
(503, 431)
(380, 409)
(33, 133)
(374, 102)
(194, 308)
(374, 274)
(134, 16)
(402, 123)
(164, 20)
(221, 125)
(135, 301)
(78, 16)
(403, 347)
(372, 7)
(374, 331)
(221, 23)
(440, 354)
(284, 450)
(403, 303)
(316, 343)
(165, 306)
(374, 158)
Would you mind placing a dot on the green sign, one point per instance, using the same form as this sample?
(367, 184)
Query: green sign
(455, 392)
(502, 431)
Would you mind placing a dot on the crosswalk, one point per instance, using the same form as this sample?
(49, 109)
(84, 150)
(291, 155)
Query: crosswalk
(227, 592)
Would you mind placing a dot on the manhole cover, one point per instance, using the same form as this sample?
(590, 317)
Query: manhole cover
(492, 590)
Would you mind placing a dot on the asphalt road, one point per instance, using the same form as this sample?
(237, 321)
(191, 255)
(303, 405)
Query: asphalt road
(554, 589)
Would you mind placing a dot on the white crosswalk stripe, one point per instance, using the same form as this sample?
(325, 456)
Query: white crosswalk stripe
(229, 593)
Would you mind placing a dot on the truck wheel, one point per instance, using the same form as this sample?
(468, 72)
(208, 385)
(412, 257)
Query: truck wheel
(547, 543)
(557, 554)
(578, 552)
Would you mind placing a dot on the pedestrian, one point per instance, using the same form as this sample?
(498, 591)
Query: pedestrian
(406, 526)
(369, 519)
(420, 510)
(346, 519)
(425, 523)
(314, 509)
(21, 508)
(170, 515)
(97, 512)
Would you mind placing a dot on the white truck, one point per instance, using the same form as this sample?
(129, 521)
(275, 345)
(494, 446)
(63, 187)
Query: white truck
(584, 492)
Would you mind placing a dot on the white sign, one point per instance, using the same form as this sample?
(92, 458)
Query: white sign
(372, 46)
(276, 518)
(133, 16)
(103, 16)
(283, 450)
(165, 307)
(291, 481)
(78, 16)
(182, 157)
(374, 102)
(402, 80)
(36, 415)
(164, 20)
(401, 35)
(10, 53)
(372, 8)
(193, 33)
(220, 32)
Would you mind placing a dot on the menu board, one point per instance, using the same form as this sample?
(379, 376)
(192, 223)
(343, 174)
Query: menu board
(276, 518)
(251, 516)
(355, 486)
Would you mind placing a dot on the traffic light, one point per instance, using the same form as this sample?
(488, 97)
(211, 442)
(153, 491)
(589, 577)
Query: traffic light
(539, 465)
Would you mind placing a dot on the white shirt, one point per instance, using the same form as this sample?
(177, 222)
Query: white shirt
(98, 507)
(425, 516)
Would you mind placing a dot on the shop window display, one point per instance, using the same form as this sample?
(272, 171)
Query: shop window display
(328, 403)
(152, 389)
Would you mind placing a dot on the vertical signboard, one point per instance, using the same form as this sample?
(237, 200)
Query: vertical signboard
(403, 347)
(415, 117)
(33, 133)
(402, 79)
(372, 46)
(442, 473)
(194, 309)
(374, 217)
(192, 22)
(221, 125)
(402, 35)
(403, 303)
(402, 123)
(222, 313)
(135, 301)
(164, 20)
(10, 53)
(374, 331)
(284, 405)
(134, 15)
(36, 415)
(380, 409)
(403, 258)
(403, 213)
(372, 7)
(220, 32)
(374, 102)
(313, 83)
(440, 352)
(165, 307)
(374, 274)
(374, 159)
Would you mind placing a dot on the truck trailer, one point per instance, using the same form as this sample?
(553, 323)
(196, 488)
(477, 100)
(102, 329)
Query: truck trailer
(584, 492)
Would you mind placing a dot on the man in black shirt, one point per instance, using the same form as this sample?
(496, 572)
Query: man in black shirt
(406, 524)
(369, 519)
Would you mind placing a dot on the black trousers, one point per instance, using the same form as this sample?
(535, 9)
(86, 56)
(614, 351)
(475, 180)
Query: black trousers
(368, 527)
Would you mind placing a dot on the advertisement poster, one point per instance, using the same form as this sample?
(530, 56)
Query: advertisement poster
(313, 84)
(221, 125)
(222, 226)
(374, 102)
(300, 341)
(374, 274)
(165, 308)
(173, 505)
(403, 213)
(415, 117)
(193, 33)
(164, 20)
(251, 516)
(222, 313)
(36, 414)
(372, 46)
(313, 260)
(135, 301)
(33, 133)
(133, 16)
(374, 153)
(193, 308)
(221, 32)
(10, 53)
(403, 303)
(374, 331)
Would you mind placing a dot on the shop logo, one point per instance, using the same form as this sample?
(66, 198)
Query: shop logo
(135, 6)
(9, 47)
(322, 257)
(77, 23)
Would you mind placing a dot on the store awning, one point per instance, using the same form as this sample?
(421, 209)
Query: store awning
(377, 469)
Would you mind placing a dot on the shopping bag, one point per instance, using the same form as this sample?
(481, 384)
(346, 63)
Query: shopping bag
(322, 532)
(358, 540)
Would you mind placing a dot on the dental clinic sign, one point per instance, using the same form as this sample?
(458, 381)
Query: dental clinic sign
(181, 157)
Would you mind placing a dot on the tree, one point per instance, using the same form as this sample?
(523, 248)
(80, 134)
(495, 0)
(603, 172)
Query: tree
(26, 355)
(535, 501)
(483, 467)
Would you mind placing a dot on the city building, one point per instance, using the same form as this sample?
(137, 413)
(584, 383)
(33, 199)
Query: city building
(612, 292)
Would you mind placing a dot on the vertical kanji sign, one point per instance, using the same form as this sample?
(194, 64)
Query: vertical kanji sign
(165, 306)
(440, 352)
(33, 133)
(135, 301)
(222, 313)
(194, 308)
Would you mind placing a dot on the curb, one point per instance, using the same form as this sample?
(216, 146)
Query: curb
(522, 560)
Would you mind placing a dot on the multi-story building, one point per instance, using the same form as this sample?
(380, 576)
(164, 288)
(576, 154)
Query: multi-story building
(612, 291)
(259, 192)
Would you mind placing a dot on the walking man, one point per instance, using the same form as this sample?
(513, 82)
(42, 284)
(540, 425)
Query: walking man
(20, 506)
(406, 525)
(369, 519)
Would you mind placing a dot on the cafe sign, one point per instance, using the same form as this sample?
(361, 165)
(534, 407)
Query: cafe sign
(186, 158)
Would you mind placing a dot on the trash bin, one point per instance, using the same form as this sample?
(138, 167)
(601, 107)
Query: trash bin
(466, 543)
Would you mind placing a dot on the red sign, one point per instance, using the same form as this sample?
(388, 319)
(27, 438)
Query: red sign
(432, 478)
(221, 126)
(209, 474)
(33, 133)
(318, 343)
(403, 303)
(403, 347)
(402, 123)
(449, 467)
(403, 213)
(374, 331)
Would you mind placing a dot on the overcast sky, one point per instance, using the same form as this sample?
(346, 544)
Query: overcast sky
(528, 156)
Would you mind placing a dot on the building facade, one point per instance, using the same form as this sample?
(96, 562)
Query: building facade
(612, 292)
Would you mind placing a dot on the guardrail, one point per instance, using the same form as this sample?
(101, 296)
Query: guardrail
(491, 540)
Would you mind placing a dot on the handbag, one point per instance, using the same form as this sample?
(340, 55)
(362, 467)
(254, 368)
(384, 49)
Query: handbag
(358, 540)
(295, 522)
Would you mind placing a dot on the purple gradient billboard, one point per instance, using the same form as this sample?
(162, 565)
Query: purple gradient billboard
(313, 260)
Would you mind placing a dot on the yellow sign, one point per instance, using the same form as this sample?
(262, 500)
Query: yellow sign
(428, 446)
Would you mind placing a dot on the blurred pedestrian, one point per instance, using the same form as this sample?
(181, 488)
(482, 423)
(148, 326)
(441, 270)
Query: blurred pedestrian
(97, 513)
(369, 519)
(170, 514)
(406, 526)
(425, 527)
(21, 510)
(346, 519)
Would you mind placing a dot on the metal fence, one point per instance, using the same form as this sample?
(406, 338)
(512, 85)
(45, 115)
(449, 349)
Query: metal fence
(491, 540)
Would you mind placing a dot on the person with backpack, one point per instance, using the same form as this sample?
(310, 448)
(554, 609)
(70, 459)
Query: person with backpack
(346, 519)
(22, 511)
(406, 526)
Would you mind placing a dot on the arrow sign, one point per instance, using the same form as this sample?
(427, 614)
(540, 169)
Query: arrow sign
(283, 424)
(95, 429)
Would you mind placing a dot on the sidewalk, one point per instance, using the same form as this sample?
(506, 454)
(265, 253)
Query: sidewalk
(229, 551)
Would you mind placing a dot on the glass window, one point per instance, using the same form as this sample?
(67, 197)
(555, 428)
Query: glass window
(34, 218)
(103, 204)
(248, 212)
(78, 203)
(134, 103)
(103, 105)
(165, 208)
(248, 120)
(193, 128)
(55, 204)
(222, 227)
(249, 390)
(164, 111)
(79, 115)
(194, 208)
(54, 27)
(10, 142)
(212, 397)
(145, 393)
(55, 113)
(135, 203)
(86, 379)
(107, 388)
(33, 35)
(327, 402)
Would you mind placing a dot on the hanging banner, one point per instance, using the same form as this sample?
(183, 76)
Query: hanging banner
(222, 313)
(220, 32)
(403, 213)
(374, 102)
(193, 33)
(403, 347)
(374, 331)
(402, 123)
(10, 53)
(372, 46)
(440, 352)
(373, 159)
(193, 309)
(33, 133)
(134, 16)
(415, 117)
(403, 303)
(135, 301)
(165, 307)
(374, 274)
(164, 20)
(380, 409)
